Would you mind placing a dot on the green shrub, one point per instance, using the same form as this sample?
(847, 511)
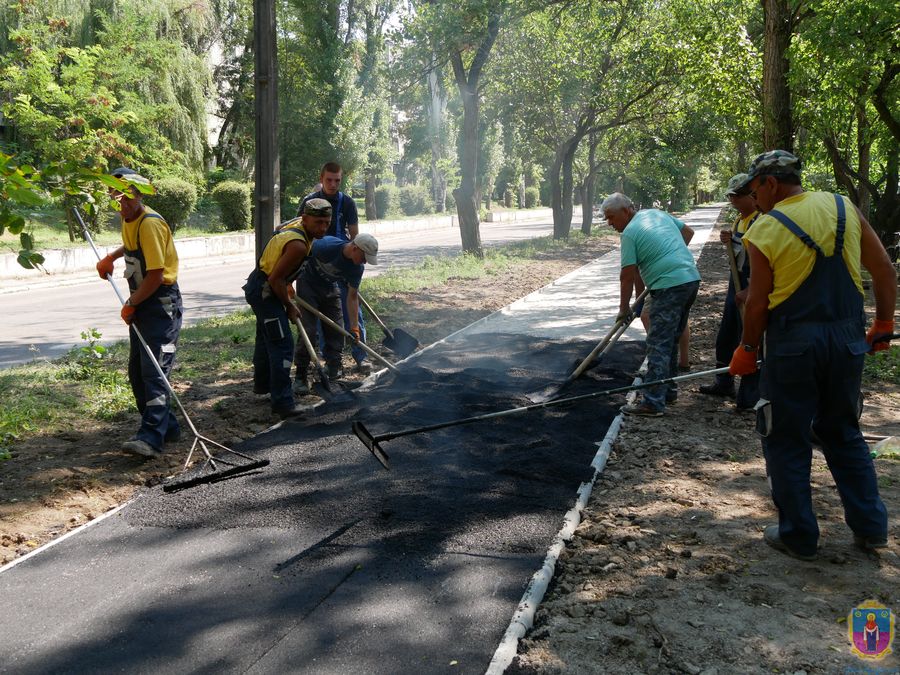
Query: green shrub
(449, 202)
(233, 199)
(175, 200)
(413, 199)
(385, 200)
(532, 197)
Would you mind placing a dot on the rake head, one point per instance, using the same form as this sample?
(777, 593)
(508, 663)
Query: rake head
(371, 443)
(214, 476)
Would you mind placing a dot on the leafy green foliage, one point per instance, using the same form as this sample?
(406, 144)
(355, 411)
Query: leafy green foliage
(532, 197)
(413, 199)
(234, 200)
(883, 366)
(386, 199)
(17, 189)
(175, 200)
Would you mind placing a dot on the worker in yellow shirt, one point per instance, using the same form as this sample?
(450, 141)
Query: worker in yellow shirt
(268, 292)
(153, 307)
(806, 294)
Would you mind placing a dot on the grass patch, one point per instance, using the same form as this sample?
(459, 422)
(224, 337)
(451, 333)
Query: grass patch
(91, 381)
(882, 366)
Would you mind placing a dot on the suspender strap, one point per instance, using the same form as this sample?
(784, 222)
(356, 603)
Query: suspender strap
(339, 228)
(841, 225)
(796, 230)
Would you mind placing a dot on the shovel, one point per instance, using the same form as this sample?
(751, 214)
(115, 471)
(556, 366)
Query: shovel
(398, 341)
(340, 329)
(373, 443)
(322, 387)
(548, 393)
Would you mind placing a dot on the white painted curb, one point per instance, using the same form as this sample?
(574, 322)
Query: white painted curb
(523, 618)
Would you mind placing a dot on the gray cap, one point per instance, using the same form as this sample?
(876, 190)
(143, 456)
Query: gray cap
(736, 184)
(368, 245)
(317, 207)
(775, 163)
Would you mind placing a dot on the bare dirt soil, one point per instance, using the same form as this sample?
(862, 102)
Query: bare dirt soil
(667, 572)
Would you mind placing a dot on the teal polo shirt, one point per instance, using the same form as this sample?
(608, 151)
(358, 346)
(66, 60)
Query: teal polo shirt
(652, 241)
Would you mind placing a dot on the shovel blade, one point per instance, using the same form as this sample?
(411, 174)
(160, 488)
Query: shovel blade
(401, 343)
(371, 443)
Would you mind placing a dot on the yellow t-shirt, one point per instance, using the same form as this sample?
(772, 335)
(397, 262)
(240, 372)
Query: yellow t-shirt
(790, 259)
(290, 232)
(743, 224)
(156, 243)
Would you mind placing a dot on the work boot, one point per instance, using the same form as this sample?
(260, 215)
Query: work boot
(772, 537)
(142, 448)
(173, 435)
(301, 387)
(718, 388)
(363, 368)
(290, 412)
(641, 409)
(260, 388)
(869, 543)
(334, 370)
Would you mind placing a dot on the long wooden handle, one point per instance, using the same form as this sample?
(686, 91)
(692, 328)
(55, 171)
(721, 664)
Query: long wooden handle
(340, 329)
(374, 315)
(735, 275)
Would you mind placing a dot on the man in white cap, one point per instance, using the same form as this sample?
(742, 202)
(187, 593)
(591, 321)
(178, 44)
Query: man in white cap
(332, 262)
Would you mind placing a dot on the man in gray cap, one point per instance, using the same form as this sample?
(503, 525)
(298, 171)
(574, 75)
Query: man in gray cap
(806, 294)
(730, 327)
(268, 292)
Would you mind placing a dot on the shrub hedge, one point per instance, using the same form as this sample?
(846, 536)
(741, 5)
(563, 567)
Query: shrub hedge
(175, 200)
(234, 199)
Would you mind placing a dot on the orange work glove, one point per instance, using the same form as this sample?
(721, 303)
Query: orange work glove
(879, 328)
(356, 334)
(128, 312)
(742, 362)
(105, 266)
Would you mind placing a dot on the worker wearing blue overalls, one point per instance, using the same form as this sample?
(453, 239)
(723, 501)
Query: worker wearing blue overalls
(331, 262)
(344, 225)
(806, 294)
(153, 307)
(269, 293)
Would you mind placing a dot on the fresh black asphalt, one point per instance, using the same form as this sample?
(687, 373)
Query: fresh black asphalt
(324, 562)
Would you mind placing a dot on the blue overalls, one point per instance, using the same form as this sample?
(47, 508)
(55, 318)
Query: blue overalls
(339, 229)
(158, 318)
(729, 335)
(273, 351)
(815, 346)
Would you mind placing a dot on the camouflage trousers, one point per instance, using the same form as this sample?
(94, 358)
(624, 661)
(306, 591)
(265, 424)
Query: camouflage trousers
(669, 309)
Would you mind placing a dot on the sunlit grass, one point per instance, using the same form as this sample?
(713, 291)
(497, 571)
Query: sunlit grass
(882, 366)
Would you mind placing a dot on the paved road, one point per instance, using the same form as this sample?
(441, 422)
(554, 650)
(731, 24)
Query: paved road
(44, 323)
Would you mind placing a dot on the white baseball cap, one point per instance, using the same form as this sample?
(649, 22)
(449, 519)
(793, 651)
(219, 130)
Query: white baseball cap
(368, 245)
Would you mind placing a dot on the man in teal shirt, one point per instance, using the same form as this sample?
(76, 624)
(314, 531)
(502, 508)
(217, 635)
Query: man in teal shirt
(655, 255)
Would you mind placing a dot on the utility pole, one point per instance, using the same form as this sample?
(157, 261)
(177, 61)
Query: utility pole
(267, 191)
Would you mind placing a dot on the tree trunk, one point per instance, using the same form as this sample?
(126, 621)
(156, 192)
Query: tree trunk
(437, 106)
(776, 94)
(371, 184)
(522, 192)
(467, 83)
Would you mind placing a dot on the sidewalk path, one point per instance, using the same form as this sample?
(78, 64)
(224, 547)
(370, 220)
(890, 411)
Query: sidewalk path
(325, 563)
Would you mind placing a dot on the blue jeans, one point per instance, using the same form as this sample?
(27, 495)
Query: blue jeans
(669, 311)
